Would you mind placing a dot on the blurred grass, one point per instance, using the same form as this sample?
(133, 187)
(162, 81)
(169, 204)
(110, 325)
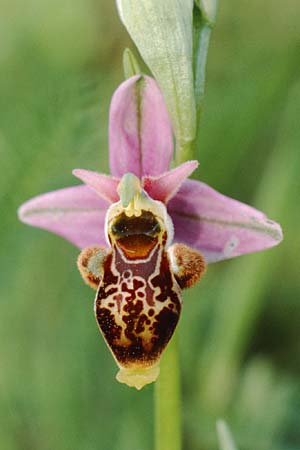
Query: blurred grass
(239, 332)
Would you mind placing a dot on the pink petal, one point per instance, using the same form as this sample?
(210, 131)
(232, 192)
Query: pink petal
(165, 186)
(75, 213)
(219, 226)
(104, 185)
(140, 134)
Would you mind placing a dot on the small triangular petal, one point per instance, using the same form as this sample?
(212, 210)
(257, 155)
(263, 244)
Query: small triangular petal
(140, 134)
(75, 213)
(165, 186)
(220, 227)
(104, 185)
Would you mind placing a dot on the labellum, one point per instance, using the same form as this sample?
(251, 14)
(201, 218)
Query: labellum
(138, 300)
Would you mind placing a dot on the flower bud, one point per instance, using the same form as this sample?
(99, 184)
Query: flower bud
(163, 34)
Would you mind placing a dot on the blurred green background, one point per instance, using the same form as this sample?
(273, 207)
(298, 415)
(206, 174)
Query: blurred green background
(239, 333)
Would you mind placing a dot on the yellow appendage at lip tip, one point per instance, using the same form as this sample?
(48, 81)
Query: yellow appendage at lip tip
(138, 378)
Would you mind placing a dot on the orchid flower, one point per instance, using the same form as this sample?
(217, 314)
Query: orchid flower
(145, 231)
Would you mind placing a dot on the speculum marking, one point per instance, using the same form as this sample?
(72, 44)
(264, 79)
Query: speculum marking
(138, 315)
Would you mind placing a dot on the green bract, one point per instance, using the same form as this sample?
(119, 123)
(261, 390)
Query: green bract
(163, 33)
(130, 65)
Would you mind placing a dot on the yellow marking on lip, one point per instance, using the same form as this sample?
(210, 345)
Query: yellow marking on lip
(138, 378)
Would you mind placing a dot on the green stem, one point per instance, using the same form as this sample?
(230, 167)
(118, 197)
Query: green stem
(168, 401)
(167, 388)
(203, 22)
